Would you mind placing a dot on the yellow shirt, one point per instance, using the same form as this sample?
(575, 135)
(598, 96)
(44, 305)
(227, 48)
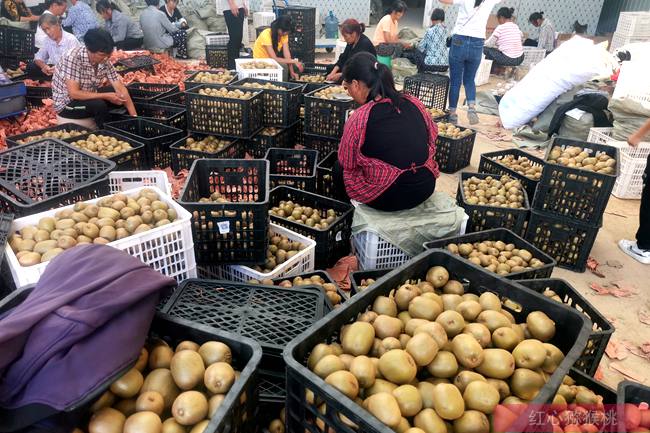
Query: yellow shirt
(386, 24)
(264, 40)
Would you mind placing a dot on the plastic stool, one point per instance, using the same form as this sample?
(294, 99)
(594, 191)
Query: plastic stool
(87, 122)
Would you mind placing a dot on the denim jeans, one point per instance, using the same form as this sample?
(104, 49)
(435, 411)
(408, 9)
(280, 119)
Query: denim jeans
(464, 60)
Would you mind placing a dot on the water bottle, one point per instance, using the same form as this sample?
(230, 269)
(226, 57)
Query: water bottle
(331, 26)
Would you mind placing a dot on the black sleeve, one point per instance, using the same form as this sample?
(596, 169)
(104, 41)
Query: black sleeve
(344, 56)
(177, 15)
(368, 46)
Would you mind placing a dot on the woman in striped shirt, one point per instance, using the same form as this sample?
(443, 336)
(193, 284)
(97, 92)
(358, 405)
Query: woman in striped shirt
(504, 47)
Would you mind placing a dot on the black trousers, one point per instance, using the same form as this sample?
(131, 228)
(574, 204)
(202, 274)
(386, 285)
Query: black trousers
(34, 73)
(530, 43)
(235, 26)
(95, 108)
(643, 234)
(129, 44)
(501, 59)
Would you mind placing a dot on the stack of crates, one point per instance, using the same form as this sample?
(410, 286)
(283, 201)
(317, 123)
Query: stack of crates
(302, 41)
(632, 27)
(16, 45)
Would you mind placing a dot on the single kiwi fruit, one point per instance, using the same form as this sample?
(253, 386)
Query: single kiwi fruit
(150, 401)
(143, 422)
(190, 407)
(219, 377)
(106, 420)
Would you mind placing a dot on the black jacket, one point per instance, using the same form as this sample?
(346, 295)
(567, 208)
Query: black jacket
(363, 45)
(593, 103)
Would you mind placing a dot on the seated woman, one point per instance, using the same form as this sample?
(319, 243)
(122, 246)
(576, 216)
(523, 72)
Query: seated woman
(504, 46)
(56, 44)
(357, 42)
(16, 10)
(170, 9)
(546, 37)
(387, 31)
(273, 43)
(158, 31)
(125, 32)
(80, 19)
(388, 145)
(432, 54)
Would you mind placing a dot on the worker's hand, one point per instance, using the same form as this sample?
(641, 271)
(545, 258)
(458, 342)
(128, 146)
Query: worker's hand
(34, 17)
(333, 76)
(114, 98)
(293, 74)
(634, 140)
(234, 10)
(245, 11)
(47, 70)
(299, 65)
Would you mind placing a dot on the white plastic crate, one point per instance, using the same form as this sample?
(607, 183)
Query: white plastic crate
(263, 19)
(483, 73)
(274, 74)
(633, 82)
(168, 249)
(301, 263)
(533, 56)
(620, 40)
(633, 24)
(120, 181)
(217, 39)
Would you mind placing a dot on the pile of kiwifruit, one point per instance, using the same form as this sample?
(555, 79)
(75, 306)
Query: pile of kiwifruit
(436, 112)
(213, 77)
(280, 249)
(365, 283)
(209, 144)
(61, 134)
(521, 165)
(111, 218)
(449, 130)
(270, 131)
(431, 357)
(311, 78)
(215, 197)
(225, 93)
(265, 86)
(317, 218)
(577, 157)
(329, 92)
(313, 280)
(496, 191)
(257, 64)
(184, 388)
(497, 256)
(102, 145)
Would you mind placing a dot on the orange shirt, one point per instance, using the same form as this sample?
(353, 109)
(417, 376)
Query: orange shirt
(386, 24)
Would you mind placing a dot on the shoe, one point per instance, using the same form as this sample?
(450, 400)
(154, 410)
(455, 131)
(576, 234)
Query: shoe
(453, 118)
(630, 248)
(472, 116)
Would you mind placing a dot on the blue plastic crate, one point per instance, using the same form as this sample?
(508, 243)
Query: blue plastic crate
(12, 99)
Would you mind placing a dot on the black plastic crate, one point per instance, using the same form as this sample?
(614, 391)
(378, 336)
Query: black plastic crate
(292, 167)
(568, 242)
(582, 379)
(572, 193)
(36, 94)
(216, 56)
(133, 159)
(300, 132)
(431, 89)
(325, 183)
(280, 107)
(174, 100)
(301, 43)
(15, 140)
(326, 277)
(490, 164)
(17, 41)
(507, 237)
(47, 174)
(5, 227)
(135, 63)
(268, 138)
(155, 136)
(227, 117)
(182, 159)
(324, 145)
(601, 332)
(150, 91)
(490, 217)
(270, 315)
(453, 154)
(333, 242)
(161, 113)
(357, 277)
(312, 69)
(325, 117)
(235, 232)
(518, 300)
(190, 82)
(632, 393)
(302, 17)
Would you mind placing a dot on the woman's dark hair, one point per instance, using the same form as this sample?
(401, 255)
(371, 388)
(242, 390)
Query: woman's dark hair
(438, 15)
(103, 5)
(283, 23)
(536, 16)
(364, 67)
(506, 13)
(351, 25)
(397, 6)
(152, 2)
(99, 40)
(49, 3)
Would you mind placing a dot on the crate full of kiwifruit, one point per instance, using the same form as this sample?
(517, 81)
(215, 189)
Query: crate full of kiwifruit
(325, 111)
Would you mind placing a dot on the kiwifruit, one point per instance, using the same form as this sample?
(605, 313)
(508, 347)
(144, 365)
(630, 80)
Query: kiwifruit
(481, 396)
(501, 386)
(126, 406)
(505, 338)
(429, 421)
(276, 426)
(422, 307)
(187, 345)
(447, 401)
(358, 338)
(465, 377)
(425, 287)
(408, 399)
(438, 276)
(214, 403)
(150, 401)
(384, 305)
(412, 324)
(49, 255)
(452, 321)
(105, 400)
(380, 385)
(141, 363)
(128, 385)
(540, 326)
(161, 381)
(215, 351)
(426, 393)
(469, 310)
(489, 301)
(422, 348)
(444, 365)
(368, 316)
(397, 366)
(106, 420)
(29, 258)
(472, 421)
(385, 407)
(497, 364)
(219, 377)
(170, 425)
(529, 354)
(190, 407)
(492, 319)
(187, 369)
(404, 294)
(386, 326)
(403, 426)
(453, 287)
(328, 365)
(318, 352)
(347, 360)
(364, 370)
(554, 358)
(160, 357)
(467, 350)
(526, 383)
(143, 422)
(345, 382)
(404, 340)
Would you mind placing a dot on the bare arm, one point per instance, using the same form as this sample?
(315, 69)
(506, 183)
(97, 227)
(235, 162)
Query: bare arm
(636, 138)
(121, 90)
(284, 59)
(287, 55)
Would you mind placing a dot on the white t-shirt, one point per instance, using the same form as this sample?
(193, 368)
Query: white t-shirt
(223, 5)
(472, 21)
(40, 36)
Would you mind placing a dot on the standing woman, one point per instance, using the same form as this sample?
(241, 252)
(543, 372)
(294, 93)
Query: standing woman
(125, 32)
(504, 46)
(273, 43)
(357, 42)
(546, 38)
(466, 52)
(234, 12)
(174, 16)
(81, 18)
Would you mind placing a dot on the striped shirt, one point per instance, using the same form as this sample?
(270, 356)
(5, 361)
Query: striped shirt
(507, 38)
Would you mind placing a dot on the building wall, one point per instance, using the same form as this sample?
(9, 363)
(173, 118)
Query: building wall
(612, 8)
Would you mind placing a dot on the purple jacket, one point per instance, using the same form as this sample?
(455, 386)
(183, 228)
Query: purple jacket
(86, 319)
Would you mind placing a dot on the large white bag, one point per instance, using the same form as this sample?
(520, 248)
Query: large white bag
(574, 62)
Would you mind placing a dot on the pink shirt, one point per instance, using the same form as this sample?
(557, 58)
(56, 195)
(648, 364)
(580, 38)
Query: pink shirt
(507, 38)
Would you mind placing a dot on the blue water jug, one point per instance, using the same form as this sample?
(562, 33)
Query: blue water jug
(331, 26)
